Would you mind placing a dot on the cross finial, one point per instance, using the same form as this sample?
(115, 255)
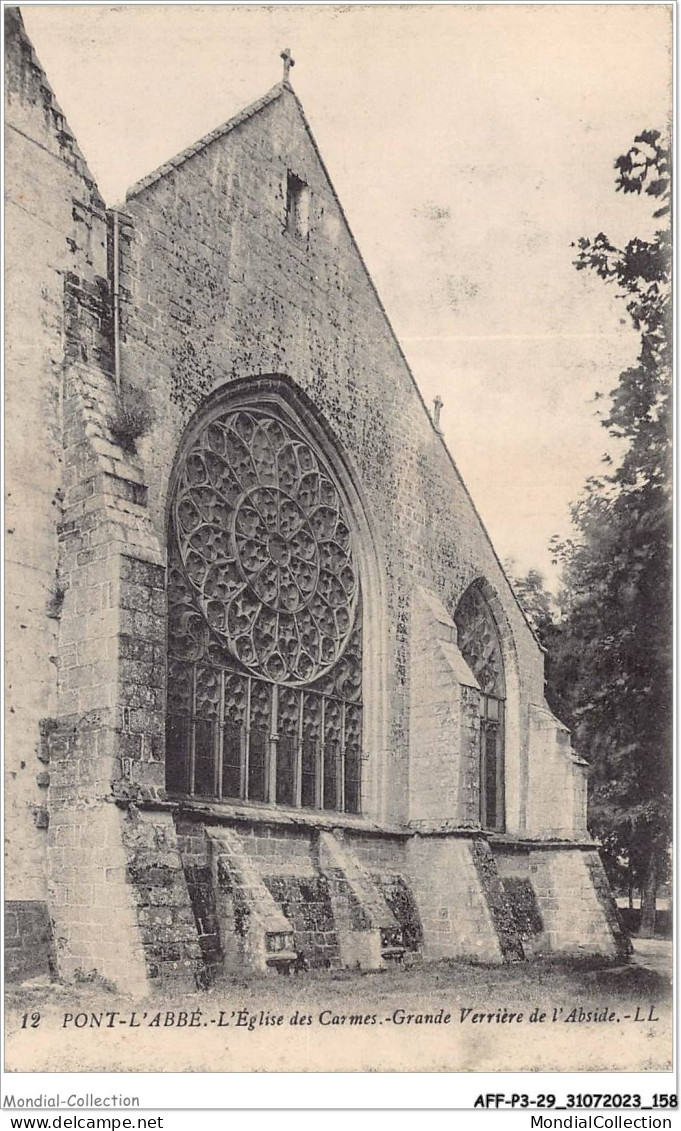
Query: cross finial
(437, 409)
(289, 62)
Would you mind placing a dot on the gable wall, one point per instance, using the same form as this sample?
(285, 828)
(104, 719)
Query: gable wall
(215, 289)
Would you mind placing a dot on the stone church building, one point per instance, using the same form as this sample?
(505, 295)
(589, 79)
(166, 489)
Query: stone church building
(271, 702)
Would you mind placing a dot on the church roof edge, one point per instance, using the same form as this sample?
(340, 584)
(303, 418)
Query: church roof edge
(15, 27)
(207, 139)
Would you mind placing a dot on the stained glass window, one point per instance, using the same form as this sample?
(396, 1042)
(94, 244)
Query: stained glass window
(480, 646)
(264, 622)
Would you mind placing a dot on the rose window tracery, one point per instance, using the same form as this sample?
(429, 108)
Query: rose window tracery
(266, 547)
(264, 620)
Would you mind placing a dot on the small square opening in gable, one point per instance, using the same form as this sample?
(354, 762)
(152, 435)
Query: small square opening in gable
(297, 206)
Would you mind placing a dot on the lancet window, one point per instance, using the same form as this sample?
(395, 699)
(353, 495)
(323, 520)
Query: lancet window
(264, 621)
(480, 645)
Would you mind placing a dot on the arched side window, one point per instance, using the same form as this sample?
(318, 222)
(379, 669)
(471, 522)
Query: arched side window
(480, 645)
(264, 620)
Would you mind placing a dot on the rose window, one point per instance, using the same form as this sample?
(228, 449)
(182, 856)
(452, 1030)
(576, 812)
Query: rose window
(262, 585)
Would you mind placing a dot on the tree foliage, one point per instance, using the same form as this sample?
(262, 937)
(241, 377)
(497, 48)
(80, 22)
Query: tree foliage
(544, 617)
(608, 638)
(611, 662)
(641, 406)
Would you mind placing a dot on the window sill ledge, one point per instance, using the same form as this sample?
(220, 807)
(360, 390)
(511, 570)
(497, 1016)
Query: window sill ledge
(548, 842)
(229, 811)
(255, 814)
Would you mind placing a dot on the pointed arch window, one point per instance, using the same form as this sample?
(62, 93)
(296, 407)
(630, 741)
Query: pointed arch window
(264, 621)
(480, 645)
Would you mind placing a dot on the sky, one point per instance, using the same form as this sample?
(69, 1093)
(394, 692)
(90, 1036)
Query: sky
(470, 146)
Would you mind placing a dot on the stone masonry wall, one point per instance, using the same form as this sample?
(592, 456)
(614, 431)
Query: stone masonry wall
(575, 921)
(111, 687)
(51, 204)
(450, 894)
(496, 897)
(444, 741)
(307, 905)
(324, 905)
(605, 897)
(219, 289)
(29, 946)
(173, 953)
(556, 790)
(72, 503)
